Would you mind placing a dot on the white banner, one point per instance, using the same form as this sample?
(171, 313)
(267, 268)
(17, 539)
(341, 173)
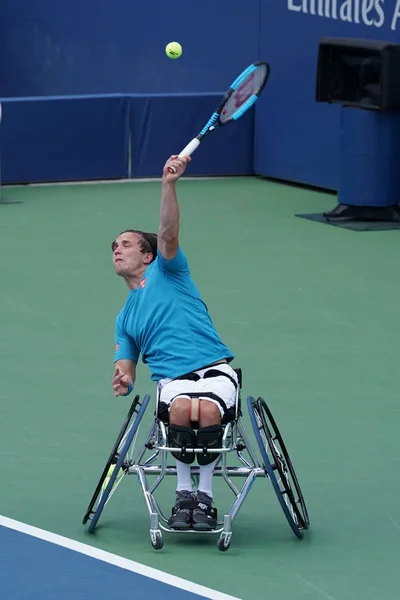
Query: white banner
(372, 13)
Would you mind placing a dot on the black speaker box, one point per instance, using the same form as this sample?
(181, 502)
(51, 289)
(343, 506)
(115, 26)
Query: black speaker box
(360, 73)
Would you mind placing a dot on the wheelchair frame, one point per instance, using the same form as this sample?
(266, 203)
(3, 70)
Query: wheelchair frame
(275, 465)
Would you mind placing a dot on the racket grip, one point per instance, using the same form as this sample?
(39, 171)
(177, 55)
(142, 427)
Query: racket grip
(187, 151)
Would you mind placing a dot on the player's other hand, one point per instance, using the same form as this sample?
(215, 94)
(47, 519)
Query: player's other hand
(180, 166)
(120, 382)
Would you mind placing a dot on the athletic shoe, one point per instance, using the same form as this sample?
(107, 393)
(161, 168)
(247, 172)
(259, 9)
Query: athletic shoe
(181, 517)
(204, 516)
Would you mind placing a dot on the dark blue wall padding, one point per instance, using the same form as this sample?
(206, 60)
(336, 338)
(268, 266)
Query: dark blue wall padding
(297, 139)
(114, 137)
(163, 125)
(51, 47)
(64, 139)
(369, 158)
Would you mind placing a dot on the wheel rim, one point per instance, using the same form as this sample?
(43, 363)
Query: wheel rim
(112, 459)
(273, 465)
(119, 464)
(284, 465)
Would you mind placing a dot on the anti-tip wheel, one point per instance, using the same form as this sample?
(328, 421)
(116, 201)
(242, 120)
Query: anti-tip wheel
(157, 541)
(223, 545)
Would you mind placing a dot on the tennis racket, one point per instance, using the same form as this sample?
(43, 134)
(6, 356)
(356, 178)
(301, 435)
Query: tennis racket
(242, 94)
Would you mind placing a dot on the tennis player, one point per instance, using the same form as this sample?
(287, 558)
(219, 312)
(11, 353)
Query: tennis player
(166, 321)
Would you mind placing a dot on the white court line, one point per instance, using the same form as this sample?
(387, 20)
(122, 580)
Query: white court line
(114, 559)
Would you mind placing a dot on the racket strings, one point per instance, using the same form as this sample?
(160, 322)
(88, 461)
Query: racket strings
(245, 93)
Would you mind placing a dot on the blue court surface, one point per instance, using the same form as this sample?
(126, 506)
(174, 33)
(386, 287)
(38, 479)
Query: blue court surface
(39, 565)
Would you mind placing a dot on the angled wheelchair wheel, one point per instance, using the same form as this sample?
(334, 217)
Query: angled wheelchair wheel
(278, 465)
(115, 465)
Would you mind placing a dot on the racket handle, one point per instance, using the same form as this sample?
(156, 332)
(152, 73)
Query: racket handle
(187, 151)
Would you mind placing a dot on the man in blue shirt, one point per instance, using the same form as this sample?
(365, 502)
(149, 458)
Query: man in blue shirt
(165, 321)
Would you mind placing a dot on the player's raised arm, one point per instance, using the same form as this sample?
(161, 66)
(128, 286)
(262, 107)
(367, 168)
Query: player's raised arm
(168, 232)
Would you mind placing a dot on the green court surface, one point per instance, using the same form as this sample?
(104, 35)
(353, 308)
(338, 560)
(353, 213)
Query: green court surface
(311, 312)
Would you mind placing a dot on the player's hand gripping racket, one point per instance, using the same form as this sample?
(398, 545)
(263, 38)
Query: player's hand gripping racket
(242, 94)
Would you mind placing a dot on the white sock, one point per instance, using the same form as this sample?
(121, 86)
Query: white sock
(206, 476)
(184, 479)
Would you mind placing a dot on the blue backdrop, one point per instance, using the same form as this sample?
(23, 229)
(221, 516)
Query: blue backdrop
(51, 47)
(92, 47)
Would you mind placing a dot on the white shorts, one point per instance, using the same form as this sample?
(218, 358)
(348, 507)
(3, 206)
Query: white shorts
(221, 386)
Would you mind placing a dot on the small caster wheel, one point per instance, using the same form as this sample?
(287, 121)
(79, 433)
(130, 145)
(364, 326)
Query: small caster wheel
(223, 544)
(157, 541)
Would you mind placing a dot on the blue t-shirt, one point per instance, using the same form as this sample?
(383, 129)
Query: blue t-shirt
(166, 321)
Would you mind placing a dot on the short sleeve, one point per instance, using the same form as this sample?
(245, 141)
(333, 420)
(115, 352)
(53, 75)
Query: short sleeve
(125, 347)
(178, 264)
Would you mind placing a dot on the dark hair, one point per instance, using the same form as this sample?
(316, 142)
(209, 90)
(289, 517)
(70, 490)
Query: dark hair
(147, 242)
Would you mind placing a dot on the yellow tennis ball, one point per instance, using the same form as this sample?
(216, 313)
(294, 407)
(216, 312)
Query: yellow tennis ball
(173, 50)
(108, 477)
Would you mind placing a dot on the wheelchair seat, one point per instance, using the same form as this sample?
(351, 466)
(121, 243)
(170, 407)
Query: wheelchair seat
(231, 414)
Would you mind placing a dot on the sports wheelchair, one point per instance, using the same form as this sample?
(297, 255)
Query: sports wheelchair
(151, 459)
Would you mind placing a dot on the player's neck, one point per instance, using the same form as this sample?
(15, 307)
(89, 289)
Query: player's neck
(133, 281)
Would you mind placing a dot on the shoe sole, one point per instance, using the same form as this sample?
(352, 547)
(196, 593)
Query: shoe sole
(203, 527)
(181, 526)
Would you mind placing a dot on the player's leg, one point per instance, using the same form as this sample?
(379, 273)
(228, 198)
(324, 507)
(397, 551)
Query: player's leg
(204, 515)
(180, 431)
(222, 389)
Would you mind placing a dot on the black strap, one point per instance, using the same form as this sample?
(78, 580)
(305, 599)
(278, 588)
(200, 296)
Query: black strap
(208, 374)
(239, 376)
(190, 376)
(216, 373)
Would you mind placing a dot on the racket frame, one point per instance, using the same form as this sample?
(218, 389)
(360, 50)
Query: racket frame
(215, 120)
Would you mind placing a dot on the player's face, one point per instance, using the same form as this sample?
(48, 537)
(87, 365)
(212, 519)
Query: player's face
(128, 257)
